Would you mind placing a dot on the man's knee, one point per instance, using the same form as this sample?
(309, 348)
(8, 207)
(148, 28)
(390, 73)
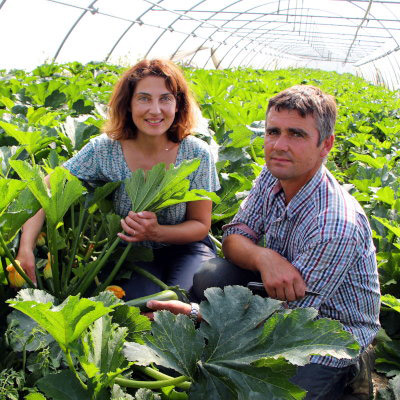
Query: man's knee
(212, 273)
(219, 272)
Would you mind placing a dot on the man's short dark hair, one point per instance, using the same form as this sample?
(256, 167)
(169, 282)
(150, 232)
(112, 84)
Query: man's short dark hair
(308, 100)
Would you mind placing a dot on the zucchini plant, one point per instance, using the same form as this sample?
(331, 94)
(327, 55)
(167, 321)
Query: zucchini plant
(74, 258)
(245, 347)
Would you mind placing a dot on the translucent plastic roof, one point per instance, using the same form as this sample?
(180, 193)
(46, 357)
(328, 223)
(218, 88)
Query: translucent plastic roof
(359, 36)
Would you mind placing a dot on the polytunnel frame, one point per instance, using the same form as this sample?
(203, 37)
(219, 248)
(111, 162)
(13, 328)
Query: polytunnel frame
(253, 47)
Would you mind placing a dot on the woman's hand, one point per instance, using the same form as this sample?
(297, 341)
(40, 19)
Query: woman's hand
(26, 259)
(140, 226)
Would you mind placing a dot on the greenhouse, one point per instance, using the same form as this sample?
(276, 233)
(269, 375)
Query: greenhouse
(199, 199)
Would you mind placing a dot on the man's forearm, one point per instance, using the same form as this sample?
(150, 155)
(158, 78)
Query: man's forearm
(242, 252)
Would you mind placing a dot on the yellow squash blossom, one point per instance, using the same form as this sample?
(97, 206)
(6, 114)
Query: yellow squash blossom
(47, 272)
(118, 291)
(16, 280)
(41, 239)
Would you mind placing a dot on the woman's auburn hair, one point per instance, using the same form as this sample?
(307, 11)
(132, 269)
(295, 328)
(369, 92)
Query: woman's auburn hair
(120, 126)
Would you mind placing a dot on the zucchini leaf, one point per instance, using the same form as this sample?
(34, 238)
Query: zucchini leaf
(20, 210)
(65, 322)
(130, 317)
(99, 194)
(100, 353)
(9, 189)
(31, 141)
(64, 189)
(160, 187)
(391, 301)
(245, 345)
(63, 386)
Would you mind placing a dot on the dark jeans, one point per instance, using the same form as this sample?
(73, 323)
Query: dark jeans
(173, 264)
(321, 382)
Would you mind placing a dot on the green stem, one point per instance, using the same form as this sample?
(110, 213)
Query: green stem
(114, 271)
(88, 279)
(150, 276)
(150, 384)
(5, 272)
(16, 266)
(52, 235)
(73, 288)
(253, 154)
(73, 217)
(77, 235)
(216, 241)
(72, 367)
(153, 373)
(39, 278)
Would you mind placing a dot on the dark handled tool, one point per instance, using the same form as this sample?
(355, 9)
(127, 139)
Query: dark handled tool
(258, 288)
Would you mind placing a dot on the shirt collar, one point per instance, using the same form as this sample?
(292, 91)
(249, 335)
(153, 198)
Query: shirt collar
(303, 194)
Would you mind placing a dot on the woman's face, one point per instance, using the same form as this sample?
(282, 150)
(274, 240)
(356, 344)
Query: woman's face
(153, 106)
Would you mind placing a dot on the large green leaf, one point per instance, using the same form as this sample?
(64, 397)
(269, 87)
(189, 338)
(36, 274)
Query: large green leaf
(137, 324)
(23, 333)
(101, 353)
(99, 194)
(64, 190)
(32, 141)
(20, 210)
(160, 187)
(65, 322)
(63, 386)
(6, 153)
(237, 331)
(9, 189)
(391, 302)
(175, 344)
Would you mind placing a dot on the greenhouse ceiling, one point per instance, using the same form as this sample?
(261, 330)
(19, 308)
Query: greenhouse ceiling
(358, 36)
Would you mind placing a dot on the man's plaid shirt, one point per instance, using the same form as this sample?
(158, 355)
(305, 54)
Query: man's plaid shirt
(325, 234)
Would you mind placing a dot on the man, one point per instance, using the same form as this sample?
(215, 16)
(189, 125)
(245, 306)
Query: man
(317, 237)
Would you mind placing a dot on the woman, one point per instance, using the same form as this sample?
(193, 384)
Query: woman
(151, 118)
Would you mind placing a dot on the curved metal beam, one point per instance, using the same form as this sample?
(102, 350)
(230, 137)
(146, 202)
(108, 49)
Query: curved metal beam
(71, 29)
(127, 30)
(2, 3)
(194, 31)
(237, 29)
(170, 26)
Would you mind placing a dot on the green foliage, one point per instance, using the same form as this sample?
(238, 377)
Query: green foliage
(237, 330)
(65, 322)
(48, 114)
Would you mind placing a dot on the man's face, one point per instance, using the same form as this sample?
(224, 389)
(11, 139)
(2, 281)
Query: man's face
(290, 147)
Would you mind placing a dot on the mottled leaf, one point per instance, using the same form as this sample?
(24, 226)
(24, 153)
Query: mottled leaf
(63, 386)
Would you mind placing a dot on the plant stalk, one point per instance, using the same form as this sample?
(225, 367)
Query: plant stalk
(153, 373)
(77, 235)
(16, 266)
(150, 276)
(150, 384)
(71, 366)
(115, 270)
(88, 279)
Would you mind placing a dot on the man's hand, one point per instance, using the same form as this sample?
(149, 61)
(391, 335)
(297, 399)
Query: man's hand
(174, 306)
(140, 226)
(26, 259)
(281, 279)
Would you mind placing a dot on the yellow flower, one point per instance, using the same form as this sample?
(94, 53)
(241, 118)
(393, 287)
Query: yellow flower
(16, 280)
(118, 291)
(41, 239)
(47, 272)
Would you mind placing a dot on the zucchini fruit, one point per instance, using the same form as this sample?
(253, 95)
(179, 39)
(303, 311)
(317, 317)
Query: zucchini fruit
(160, 296)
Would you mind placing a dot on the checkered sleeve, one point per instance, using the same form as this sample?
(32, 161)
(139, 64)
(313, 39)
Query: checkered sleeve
(248, 221)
